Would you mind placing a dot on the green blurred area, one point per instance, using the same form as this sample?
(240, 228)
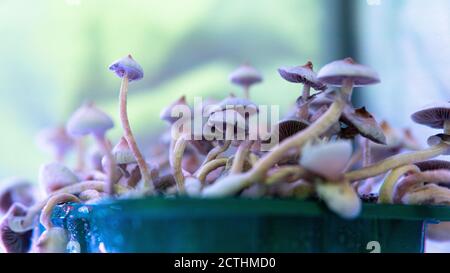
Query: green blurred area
(55, 55)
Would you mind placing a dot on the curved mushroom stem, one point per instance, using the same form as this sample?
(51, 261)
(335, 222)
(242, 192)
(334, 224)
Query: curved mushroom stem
(397, 161)
(25, 223)
(363, 186)
(111, 163)
(281, 174)
(203, 172)
(303, 113)
(389, 184)
(418, 179)
(177, 168)
(447, 127)
(216, 151)
(234, 183)
(241, 155)
(56, 199)
(146, 178)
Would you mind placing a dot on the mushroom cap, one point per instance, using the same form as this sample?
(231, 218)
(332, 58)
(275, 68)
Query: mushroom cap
(129, 67)
(166, 113)
(245, 75)
(327, 159)
(302, 74)
(364, 122)
(341, 198)
(241, 105)
(54, 176)
(11, 241)
(436, 139)
(16, 190)
(122, 152)
(229, 117)
(433, 115)
(432, 165)
(430, 194)
(336, 72)
(55, 139)
(289, 127)
(88, 119)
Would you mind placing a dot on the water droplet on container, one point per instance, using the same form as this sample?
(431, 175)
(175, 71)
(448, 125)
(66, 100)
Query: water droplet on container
(73, 247)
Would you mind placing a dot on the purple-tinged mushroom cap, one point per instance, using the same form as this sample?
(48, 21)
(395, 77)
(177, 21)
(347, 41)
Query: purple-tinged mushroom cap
(289, 127)
(434, 115)
(55, 140)
(302, 74)
(245, 75)
(54, 176)
(243, 106)
(89, 119)
(166, 113)
(16, 190)
(11, 241)
(336, 72)
(365, 123)
(127, 66)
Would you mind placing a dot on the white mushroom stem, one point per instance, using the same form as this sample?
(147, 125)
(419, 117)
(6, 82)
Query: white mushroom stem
(387, 188)
(56, 199)
(240, 157)
(304, 109)
(203, 171)
(80, 148)
(246, 91)
(145, 174)
(396, 161)
(177, 156)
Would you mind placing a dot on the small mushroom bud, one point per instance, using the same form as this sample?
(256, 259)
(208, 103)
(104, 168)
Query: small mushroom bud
(53, 240)
(54, 176)
(122, 152)
(12, 241)
(340, 197)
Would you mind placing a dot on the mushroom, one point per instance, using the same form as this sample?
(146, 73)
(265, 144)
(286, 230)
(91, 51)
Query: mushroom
(306, 76)
(54, 176)
(56, 141)
(129, 70)
(341, 73)
(245, 76)
(16, 190)
(13, 241)
(88, 119)
(53, 240)
(435, 116)
(60, 198)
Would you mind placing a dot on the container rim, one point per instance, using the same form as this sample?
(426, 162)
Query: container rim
(189, 207)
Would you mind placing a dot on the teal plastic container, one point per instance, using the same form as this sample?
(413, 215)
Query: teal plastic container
(243, 225)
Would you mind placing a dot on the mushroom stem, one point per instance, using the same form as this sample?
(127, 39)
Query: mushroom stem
(247, 91)
(418, 179)
(304, 110)
(397, 161)
(177, 168)
(241, 155)
(296, 172)
(347, 88)
(80, 153)
(363, 186)
(203, 172)
(447, 127)
(216, 151)
(111, 164)
(388, 186)
(56, 199)
(147, 180)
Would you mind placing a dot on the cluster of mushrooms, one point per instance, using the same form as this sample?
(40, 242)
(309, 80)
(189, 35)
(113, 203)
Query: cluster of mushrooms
(326, 150)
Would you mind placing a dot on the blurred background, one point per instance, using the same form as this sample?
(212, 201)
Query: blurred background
(55, 55)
